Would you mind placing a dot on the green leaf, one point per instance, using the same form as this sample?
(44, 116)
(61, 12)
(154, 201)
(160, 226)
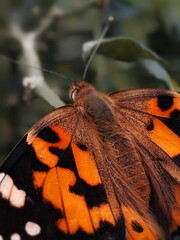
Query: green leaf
(122, 49)
(128, 50)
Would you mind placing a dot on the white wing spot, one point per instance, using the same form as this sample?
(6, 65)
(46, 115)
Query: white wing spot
(17, 197)
(1, 237)
(1, 176)
(10, 192)
(32, 228)
(6, 186)
(15, 236)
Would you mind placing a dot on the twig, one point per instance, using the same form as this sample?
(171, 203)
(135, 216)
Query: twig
(35, 79)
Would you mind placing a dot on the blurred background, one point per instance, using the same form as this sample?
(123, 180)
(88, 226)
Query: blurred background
(57, 31)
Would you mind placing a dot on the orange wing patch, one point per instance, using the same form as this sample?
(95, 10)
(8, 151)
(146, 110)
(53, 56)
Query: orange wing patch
(164, 106)
(41, 147)
(165, 138)
(38, 178)
(86, 166)
(74, 206)
(102, 213)
(71, 182)
(87, 170)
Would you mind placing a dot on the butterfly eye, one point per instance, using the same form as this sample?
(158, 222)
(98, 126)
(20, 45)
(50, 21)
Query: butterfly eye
(74, 93)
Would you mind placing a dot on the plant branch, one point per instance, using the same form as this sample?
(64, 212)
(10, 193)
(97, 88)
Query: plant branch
(35, 79)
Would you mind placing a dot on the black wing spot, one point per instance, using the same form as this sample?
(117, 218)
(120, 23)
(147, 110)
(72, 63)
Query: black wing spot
(48, 135)
(175, 114)
(66, 158)
(172, 124)
(165, 102)
(107, 231)
(37, 165)
(176, 160)
(150, 126)
(137, 226)
(94, 195)
(82, 146)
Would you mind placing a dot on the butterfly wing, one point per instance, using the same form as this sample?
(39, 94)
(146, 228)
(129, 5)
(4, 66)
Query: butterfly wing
(152, 117)
(50, 187)
(65, 180)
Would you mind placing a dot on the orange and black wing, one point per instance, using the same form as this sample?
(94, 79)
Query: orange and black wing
(50, 187)
(152, 119)
(66, 181)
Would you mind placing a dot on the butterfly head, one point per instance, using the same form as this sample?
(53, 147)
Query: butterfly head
(80, 90)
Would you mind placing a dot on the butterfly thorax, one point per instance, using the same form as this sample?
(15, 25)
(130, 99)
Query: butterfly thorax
(95, 106)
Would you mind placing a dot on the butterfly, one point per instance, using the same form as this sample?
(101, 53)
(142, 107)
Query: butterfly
(106, 167)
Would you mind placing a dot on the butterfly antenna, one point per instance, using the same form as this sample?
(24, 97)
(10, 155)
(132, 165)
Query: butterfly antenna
(110, 19)
(33, 67)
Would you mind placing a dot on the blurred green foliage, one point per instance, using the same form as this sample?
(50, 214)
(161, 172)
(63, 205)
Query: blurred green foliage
(152, 25)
